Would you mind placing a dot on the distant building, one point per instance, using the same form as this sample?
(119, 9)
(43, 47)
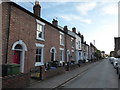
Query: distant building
(103, 54)
(92, 51)
(78, 45)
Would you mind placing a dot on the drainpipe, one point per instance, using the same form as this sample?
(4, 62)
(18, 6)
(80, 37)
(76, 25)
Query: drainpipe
(7, 32)
(65, 30)
(65, 48)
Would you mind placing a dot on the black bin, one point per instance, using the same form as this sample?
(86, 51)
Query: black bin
(4, 70)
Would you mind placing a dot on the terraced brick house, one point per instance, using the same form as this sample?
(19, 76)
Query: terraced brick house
(31, 41)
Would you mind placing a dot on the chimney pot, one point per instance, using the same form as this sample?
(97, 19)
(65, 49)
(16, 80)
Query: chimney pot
(37, 3)
(55, 22)
(74, 29)
(65, 29)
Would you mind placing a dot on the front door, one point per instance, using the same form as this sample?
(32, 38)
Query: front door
(17, 57)
(52, 56)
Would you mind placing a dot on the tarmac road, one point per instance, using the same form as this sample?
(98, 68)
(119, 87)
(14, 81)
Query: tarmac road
(102, 75)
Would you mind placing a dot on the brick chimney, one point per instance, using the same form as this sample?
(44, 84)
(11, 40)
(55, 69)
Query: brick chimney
(65, 29)
(79, 34)
(37, 9)
(82, 37)
(55, 22)
(74, 29)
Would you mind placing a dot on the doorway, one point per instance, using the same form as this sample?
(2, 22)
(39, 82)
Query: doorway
(19, 49)
(53, 53)
(68, 55)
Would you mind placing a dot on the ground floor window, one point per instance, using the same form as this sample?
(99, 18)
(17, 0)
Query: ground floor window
(39, 54)
(72, 56)
(61, 54)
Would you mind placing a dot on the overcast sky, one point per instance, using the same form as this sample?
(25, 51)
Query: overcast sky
(96, 20)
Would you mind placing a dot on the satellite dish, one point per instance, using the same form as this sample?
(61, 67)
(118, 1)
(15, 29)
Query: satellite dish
(118, 52)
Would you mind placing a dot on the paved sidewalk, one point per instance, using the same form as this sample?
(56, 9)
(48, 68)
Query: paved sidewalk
(55, 81)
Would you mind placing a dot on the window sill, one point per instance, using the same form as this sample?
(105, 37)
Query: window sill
(41, 39)
(62, 44)
(72, 47)
(39, 64)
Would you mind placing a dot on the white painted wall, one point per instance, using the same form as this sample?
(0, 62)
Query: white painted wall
(78, 39)
(78, 47)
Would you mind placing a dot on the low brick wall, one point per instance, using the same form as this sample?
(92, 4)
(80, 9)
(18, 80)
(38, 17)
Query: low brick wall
(51, 72)
(16, 81)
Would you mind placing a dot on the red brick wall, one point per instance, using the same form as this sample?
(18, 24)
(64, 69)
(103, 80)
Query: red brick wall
(50, 73)
(17, 81)
(5, 19)
(0, 34)
(69, 47)
(23, 27)
(51, 40)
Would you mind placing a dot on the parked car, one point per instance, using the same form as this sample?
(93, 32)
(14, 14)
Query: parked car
(86, 61)
(111, 59)
(118, 68)
(115, 63)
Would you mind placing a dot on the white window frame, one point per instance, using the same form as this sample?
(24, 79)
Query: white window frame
(72, 50)
(43, 24)
(62, 43)
(42, 56)
(71, 43)
(68, 53)
(62, 49)
(79, 44)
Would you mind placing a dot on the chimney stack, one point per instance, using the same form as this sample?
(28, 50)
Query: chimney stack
(37, 9)
(82, 38)
(79, 34)
(55, 22)
(74, 29)
(65, 29)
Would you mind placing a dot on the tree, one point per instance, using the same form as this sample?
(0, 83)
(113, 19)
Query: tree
(97, 54)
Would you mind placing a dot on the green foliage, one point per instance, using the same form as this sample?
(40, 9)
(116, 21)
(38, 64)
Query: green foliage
(97, 54)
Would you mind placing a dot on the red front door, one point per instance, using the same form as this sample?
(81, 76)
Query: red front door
(17, 57)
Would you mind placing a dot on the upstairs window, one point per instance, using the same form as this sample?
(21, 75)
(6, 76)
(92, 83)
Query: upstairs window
(40, 30)
(79, 44)
(72, 42)
(61, 39)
